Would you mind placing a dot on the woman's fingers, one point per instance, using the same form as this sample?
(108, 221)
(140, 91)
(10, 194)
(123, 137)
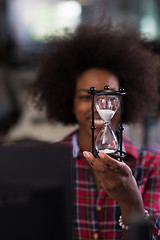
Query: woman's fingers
(90, 158)
(114, 164)
(108, 162)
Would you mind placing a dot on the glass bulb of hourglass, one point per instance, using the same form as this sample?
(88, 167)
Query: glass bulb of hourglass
(106, 140)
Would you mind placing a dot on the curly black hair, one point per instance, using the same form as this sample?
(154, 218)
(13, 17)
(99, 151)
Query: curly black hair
(119, 50)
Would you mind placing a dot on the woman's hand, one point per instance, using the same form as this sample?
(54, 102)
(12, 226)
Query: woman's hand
(118, 181)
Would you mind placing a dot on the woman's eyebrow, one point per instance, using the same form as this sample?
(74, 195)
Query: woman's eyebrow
(83, 90)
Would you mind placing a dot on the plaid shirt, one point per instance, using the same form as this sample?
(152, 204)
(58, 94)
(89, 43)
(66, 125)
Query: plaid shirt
(95, 215)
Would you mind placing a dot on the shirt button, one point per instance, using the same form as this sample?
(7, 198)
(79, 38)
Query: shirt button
(99, 208)
(95, 235)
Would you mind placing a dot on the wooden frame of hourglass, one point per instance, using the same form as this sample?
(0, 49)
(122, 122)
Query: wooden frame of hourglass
(107, 91)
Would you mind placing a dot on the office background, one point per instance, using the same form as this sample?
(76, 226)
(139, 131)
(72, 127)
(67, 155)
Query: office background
(25, 26)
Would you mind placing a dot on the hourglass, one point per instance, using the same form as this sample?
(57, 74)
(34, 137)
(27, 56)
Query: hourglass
(106, 102)
(106, 140)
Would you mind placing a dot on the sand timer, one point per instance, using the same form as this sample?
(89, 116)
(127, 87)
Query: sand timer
(106, 140)
(107, 102)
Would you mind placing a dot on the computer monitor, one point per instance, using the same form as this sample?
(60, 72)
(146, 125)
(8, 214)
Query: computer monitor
(35, 192)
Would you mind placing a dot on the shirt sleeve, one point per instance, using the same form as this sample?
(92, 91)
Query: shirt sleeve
(151, 191)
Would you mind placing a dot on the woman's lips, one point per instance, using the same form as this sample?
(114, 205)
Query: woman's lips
(98, 122)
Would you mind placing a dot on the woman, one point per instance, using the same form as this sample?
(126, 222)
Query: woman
(106, 192)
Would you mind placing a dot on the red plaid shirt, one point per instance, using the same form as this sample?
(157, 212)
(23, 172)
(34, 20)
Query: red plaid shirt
(95, 215)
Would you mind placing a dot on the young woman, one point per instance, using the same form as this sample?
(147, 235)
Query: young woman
(106, 192)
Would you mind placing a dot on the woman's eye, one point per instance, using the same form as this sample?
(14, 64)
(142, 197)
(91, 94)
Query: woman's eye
(85, 97)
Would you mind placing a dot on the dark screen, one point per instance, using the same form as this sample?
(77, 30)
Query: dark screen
(35, 193)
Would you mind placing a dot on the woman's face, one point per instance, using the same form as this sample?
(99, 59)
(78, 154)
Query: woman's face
(82, 100)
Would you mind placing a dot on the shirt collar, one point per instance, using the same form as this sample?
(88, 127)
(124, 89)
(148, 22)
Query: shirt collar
(129, 147)
(76, 148)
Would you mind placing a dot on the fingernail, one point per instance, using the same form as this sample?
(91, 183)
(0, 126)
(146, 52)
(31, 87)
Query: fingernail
(86, 155)
(102, 155)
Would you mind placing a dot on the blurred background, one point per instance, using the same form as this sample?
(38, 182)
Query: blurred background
(24, 27)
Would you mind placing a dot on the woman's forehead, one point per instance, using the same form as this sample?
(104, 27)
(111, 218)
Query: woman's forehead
(97, 78)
